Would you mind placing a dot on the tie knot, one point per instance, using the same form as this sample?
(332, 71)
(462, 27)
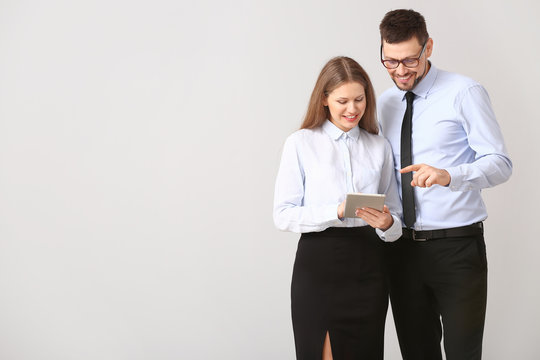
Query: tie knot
(409, 96)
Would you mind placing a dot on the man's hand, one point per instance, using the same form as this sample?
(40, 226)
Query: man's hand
(426, 176)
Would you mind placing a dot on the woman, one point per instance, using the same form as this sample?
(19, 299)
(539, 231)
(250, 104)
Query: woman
(338, 293)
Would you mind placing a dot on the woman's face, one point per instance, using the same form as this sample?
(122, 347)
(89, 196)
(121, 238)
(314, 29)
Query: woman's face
(347, 104)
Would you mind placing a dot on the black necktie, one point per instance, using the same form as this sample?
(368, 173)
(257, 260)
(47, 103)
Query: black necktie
(407, 191)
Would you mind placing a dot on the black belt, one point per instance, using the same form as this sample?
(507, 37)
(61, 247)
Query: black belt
(424, 235)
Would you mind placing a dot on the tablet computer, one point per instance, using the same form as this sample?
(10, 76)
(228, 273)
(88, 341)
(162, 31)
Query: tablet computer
(359, 200)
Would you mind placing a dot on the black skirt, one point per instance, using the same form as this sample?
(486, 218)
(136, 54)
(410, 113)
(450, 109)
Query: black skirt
(338, 286)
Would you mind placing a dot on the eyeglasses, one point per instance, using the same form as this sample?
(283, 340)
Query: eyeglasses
(408, 62)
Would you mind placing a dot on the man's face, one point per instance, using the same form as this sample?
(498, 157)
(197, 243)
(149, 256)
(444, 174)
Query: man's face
(404, 77)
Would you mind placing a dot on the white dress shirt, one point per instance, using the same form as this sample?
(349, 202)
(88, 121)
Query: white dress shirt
(453, 128)
(320, 166)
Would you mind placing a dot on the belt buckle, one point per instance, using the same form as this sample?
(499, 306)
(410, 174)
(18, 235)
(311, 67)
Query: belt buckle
(415, 238)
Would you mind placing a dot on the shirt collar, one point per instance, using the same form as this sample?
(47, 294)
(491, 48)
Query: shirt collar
(336, 133)
(424, 86)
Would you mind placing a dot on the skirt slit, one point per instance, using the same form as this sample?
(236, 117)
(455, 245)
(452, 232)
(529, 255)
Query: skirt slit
(339, 287)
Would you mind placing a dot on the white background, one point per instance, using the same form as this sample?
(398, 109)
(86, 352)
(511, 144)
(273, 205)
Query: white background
(139, 143)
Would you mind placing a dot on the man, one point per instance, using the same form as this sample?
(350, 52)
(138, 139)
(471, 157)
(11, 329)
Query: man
(447, 147)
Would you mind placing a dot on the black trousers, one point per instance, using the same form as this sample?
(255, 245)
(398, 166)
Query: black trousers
(339, 287)
(442, 280)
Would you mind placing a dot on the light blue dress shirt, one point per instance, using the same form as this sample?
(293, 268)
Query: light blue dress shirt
(453, 128)
(320, 166)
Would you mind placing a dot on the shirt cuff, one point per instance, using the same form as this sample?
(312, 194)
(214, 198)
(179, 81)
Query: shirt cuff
(457, 175)
(393, 233)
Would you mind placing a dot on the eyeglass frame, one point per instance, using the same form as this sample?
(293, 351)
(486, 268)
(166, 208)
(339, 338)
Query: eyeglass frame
(402, 61)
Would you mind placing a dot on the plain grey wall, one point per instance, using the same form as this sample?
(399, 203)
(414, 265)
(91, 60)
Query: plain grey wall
(139, 143)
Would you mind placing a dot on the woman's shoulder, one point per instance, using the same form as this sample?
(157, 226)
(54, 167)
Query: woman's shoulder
(378, 138)
(303, 135)
(374, 139)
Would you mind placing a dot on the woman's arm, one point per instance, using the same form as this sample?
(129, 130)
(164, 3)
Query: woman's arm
(289, 213)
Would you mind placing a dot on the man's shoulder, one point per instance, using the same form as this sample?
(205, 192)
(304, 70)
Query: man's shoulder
(455, 80)
(390, 94)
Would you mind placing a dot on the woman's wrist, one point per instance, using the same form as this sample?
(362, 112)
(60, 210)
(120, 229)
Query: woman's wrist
(389, 225)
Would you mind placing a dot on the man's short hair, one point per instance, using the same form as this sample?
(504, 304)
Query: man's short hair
(402, 25)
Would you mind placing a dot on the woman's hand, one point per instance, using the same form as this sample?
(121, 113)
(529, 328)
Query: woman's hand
(341, 210)
(377, 219)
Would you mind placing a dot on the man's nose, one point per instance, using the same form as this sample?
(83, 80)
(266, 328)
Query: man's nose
(401, 69)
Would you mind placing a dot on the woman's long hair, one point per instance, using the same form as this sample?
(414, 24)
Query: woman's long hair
(338, 71)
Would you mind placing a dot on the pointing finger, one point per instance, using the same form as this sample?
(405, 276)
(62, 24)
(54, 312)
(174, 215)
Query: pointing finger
(406, 169)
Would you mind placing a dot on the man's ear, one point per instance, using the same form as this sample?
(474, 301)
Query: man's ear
(429, 47)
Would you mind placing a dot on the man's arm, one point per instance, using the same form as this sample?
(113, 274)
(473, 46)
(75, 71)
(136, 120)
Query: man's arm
(492, 165)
